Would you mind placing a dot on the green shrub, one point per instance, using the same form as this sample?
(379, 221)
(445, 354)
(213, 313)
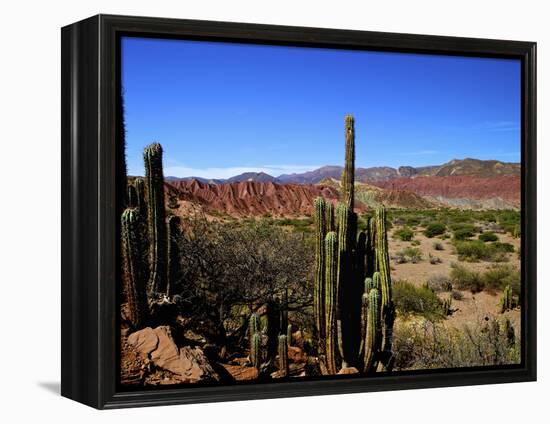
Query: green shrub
(415, 243)
(463, 233)
(498, 276)
(476, 250)
(472, 250)
(463, 278)
(488, 236)
(404, 234)
(435, 229)
(503, 247)
(410, 299)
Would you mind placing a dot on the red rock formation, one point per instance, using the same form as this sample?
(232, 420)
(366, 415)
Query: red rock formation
(505, 187)
(251, 198)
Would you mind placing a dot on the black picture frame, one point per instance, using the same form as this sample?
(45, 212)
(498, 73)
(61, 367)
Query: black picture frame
(90, 110)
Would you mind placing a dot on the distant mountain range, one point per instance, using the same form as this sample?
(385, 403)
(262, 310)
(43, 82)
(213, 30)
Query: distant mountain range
(455, 167)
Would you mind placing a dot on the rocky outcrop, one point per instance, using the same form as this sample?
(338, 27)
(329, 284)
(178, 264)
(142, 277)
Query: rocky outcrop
(251, 198)
(186, 364)
(463, 191)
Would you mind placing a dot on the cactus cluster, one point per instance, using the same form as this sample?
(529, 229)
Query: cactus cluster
(146, 235)
(132, 265)
(446, 306)
(507, 301)
(353, 307)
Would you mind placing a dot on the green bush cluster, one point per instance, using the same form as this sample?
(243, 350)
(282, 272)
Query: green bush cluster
(476, 250)
(435, 229)
(410, 299)
(488, 236)
(496, 278)
(404, 234)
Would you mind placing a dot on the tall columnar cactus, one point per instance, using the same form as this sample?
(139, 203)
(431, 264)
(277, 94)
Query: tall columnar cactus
(283, 355)
(132, 196)
(331, 296)
(345, 283)
(348, 176)
(256, 350)
(133, 275)
(253, 325)
(371, 330)
(319, 283)
(156, 219)
(383, 266)
(289, 334)
(507, 300)
(139, 185)
(174, 265)
(329, 217)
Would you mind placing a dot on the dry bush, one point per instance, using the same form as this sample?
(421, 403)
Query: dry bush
(430, 345)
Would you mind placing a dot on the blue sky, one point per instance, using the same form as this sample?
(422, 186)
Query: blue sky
(220, 109)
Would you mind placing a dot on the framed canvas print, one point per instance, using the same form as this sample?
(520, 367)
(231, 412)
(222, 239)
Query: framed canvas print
(253, 211)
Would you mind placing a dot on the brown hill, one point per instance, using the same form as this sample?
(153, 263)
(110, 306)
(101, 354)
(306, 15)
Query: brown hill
(463, 191)
(473, 167)
(252, 198)
(372, 196)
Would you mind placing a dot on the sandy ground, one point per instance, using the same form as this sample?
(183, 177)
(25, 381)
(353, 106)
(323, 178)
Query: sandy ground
(473, 307)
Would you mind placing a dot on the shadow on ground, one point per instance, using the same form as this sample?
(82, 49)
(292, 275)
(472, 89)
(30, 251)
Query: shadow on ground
(51, 386)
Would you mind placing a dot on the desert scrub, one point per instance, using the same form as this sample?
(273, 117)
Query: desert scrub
(476, 250)
(415, 243)
(463, 278)
(404, 234)
(488, 236)
(409, 254)
(435, 229)
(439, 283)
(438, 245)
(410, 299)
(499, 276)
(434, 260)
(431, 345)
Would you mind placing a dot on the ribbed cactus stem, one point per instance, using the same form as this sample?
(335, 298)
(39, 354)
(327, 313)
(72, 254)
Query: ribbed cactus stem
(133, 275)
(283, 355)
(289, 334)
(368, 285)
(174, 265)
(256, 350)
(507, 302)
(253, 325)
(139, 185)
(348, 176)
(329, 217)
(156, 218)
(372, 332)
(132, 196)
(319, 283)
(331, 300)
(376, 281)
(382, 255)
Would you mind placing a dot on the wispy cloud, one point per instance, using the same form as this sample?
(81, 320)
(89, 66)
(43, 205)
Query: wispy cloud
(500, 126)
(227, 172)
